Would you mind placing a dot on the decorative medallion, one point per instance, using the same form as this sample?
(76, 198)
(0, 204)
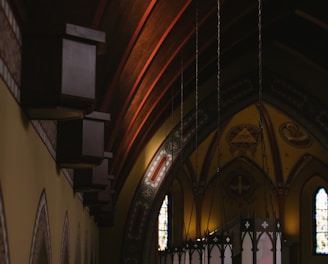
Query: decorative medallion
(147, 193)
(172, 145)
(240, 187)
(294, 135)
(243, 137)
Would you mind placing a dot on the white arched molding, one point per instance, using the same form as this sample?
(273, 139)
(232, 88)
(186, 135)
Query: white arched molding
(64, 255)
(307, 239)
(78, 258)
(4, 249)
(86, 248)
(41, 245)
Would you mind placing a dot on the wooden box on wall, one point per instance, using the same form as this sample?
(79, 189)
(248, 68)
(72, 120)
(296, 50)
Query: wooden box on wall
(96, 198)
(101, 204)
(92, 179)
(59, 71)
(80, 142)
(105, 217)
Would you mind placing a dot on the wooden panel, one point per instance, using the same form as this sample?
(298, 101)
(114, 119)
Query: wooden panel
(80, 142)
(97, 198)
(91, 179)
(59, 71)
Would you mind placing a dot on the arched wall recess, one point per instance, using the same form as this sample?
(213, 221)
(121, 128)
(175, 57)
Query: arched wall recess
(4, 249)
(298, 218)
(159, 174)
(41, 245)
(313, 168)
(307, 254)
(78, 259)
(86, 248)
(64, 255)
(245, 190)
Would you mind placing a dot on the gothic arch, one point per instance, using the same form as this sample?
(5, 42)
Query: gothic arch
(299, 217)
(309, 189)
(78, 259)
(157, 173)
(41, 245)
(86, 248)
(64, 255)
(4, 249)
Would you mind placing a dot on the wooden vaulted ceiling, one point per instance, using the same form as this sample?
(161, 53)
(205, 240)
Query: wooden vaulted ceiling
(148, 42)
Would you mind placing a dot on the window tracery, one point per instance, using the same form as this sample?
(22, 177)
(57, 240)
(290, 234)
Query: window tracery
(321, 222)
(163, 224)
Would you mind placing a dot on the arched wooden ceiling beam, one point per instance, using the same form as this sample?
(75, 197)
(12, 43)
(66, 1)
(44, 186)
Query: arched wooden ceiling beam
(98, 14)
(129, 98)
(275, 155)
(109, 92)
(126, 150)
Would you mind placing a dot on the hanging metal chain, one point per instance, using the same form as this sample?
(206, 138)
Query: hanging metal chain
(196, 116)
(218, 78)
(218, 105)
(261, 130)
(196, 87)
(260, 48)
(181, 113)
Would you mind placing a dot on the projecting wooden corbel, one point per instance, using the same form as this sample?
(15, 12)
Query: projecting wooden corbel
(80, 142)
(92, 179)
(59, 71)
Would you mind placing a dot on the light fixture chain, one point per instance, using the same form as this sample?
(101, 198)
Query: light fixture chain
(196, 87)
(181, 112)
(218, 105)
(264, 157)
(260, 49)
(218, 77)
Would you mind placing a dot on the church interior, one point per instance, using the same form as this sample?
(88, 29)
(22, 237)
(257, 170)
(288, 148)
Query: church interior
(138, 131)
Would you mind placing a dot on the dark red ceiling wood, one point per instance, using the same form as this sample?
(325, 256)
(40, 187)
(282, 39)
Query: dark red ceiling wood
(98, 14)
(150, 90)
(136, 133)
(122, 168)
(110, 90)
(123, 150)
(166, 65)
(150, 110)
(142, 72)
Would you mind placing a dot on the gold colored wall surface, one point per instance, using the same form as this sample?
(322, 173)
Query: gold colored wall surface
(37, 200)
(27, 169)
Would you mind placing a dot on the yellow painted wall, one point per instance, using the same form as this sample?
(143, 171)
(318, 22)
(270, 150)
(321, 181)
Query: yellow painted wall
(26, 169)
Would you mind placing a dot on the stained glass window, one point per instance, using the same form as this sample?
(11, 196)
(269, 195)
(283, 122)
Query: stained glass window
(321, 222)
(163, 224)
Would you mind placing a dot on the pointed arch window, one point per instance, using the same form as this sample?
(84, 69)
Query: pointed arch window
(321, 222)
(163, 224)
